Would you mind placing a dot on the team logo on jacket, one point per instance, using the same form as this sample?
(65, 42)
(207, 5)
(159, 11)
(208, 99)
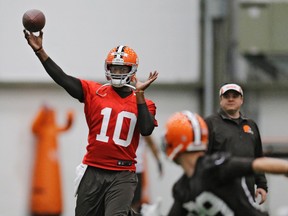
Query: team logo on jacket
(247, 129)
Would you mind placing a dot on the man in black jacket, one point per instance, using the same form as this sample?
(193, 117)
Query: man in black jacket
(232, 132)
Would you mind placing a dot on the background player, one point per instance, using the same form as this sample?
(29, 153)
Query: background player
(211, 184)
(142, 188)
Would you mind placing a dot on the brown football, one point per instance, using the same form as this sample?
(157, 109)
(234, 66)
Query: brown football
(33, 20)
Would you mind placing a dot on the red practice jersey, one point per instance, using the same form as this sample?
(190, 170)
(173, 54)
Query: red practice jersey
(113, 130)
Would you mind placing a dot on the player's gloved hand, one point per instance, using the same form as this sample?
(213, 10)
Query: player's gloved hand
(263, 194)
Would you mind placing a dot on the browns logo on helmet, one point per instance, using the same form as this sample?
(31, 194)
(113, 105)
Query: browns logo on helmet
(185, 132)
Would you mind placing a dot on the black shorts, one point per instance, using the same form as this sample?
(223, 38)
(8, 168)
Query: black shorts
(105, 192)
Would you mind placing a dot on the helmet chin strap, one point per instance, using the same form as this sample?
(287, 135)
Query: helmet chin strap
(102, 95)
(106, 84)
(130, 86)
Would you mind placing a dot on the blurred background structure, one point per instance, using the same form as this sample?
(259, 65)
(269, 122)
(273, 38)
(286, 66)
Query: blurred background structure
(196, 45)
(46, 185)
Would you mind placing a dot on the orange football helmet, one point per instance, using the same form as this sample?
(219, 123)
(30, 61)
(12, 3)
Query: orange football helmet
(121, 55)
(185, 132)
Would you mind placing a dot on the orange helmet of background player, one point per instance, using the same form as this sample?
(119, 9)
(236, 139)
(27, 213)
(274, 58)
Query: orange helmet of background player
(185, 132)
(121, 55)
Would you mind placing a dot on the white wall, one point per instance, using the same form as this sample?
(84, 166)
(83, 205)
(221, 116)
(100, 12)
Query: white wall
(274, 107)
(79, 34)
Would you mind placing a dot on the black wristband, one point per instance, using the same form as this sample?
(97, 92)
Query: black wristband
(38, 49)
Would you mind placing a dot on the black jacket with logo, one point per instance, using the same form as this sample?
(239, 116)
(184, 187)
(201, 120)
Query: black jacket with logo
(239, 137)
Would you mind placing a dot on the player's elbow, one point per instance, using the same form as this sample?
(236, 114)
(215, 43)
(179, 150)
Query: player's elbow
(146, 131)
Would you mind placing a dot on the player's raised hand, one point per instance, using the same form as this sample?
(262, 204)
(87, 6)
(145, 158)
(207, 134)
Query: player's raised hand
(33, 40)
(143, 85)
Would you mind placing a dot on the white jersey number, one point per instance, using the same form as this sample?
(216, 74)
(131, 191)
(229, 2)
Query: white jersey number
(106, 112)
(208, 204)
